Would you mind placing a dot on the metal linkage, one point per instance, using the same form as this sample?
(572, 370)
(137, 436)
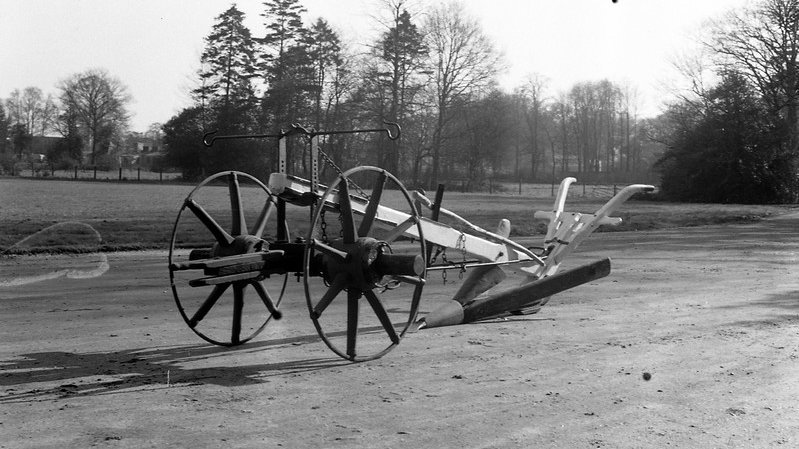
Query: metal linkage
(211, 137)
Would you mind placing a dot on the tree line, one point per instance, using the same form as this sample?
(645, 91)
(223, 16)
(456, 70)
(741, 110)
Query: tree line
(435, 74)
(732, 135)
(89, 112)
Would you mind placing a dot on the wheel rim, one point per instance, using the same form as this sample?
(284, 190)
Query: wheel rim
(215, 225)
(347, 278)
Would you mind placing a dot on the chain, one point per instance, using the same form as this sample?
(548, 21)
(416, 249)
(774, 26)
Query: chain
(338, 170)
(330, 162)
(323, 225)
(461, 244)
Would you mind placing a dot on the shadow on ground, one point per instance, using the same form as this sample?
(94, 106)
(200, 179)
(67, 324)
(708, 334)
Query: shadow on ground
(787, 301)
(98, 373)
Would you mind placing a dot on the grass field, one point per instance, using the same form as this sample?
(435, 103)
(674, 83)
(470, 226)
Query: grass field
(62, 215)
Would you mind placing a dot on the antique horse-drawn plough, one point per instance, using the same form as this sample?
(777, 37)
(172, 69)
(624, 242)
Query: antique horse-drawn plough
(367, 242)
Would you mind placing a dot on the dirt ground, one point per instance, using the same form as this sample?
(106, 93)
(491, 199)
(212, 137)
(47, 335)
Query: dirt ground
(710, 312)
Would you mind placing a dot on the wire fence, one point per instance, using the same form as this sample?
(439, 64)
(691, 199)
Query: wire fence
(90, 173)
(541, 190)
(529, 190)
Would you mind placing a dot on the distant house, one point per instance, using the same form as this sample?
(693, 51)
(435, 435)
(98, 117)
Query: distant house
(140, 151)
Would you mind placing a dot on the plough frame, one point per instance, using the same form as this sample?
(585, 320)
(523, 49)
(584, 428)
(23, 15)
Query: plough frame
(360, 262)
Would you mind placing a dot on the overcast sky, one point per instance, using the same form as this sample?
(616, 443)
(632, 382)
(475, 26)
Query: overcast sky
(154, 46)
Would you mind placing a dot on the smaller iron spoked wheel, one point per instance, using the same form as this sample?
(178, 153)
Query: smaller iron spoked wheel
(364, 248)
(211, 233)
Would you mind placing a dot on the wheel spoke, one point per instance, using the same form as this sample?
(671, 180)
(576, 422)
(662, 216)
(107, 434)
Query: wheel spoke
(263, 217)
(410, 279)
(345, 208)
(239, 225)
(400, 229)
(335, 288)
(353, 304)
(221, 236)
(238, 307)
(267, 300)
(371, 208)
(322, 247)
(206, 306)
(382, 315)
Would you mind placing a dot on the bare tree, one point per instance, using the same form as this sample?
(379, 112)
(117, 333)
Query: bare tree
(533, 92)
(463, 63)
(32, 109)
(99, 102)
(762, 43)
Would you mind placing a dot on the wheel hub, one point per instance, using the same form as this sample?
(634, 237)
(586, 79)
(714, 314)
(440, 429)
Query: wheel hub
(242, 244)
(359, 265)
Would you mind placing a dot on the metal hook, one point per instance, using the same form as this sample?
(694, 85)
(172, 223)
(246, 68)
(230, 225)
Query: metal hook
(207, 142)
(388, 131)
(296, 128)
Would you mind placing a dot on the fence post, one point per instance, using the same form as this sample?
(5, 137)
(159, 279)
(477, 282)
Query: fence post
(76, 172)
(95, 172)
(138, 174)
(120, 173)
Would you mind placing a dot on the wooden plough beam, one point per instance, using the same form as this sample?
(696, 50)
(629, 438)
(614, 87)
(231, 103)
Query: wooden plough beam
(398, 224)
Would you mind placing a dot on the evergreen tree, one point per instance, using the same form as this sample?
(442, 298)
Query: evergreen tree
(227, 102)
(324, 51)
(229, 66)
(284, 31)
(402, 49)
(287, 68)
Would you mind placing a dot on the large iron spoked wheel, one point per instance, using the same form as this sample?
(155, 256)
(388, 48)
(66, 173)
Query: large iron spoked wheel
(211, 234)
(363, 274)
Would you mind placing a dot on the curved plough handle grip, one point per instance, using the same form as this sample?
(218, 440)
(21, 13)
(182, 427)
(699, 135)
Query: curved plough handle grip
(567, 230)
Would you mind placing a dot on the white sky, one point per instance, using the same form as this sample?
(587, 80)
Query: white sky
(154, 46)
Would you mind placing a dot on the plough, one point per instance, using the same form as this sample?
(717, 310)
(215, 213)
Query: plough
(368, 244)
